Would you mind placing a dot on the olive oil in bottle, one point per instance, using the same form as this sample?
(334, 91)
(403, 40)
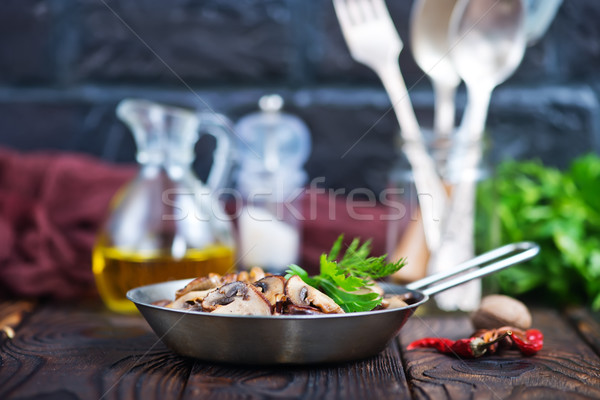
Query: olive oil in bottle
(117, 271)
(165, 224)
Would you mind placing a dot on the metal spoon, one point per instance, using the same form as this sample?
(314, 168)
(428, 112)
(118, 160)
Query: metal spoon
(429, 24)
(540, 14)
(488, 41)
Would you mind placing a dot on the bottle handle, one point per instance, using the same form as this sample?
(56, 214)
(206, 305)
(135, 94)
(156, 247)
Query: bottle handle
(220, 127)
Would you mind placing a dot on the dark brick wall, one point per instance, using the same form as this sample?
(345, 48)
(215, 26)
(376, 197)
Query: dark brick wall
(65, 64)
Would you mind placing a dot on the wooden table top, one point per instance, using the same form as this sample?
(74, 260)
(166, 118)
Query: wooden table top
(83, 351)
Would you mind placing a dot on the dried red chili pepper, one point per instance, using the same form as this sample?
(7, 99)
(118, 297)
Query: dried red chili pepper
(529, 343)
(440, 344)
(484, 342)
(489, 335)
(472, 347)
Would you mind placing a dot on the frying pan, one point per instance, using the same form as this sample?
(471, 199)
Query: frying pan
(304, 339)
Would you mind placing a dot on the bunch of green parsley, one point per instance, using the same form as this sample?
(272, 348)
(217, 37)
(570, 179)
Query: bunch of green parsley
(559, 210)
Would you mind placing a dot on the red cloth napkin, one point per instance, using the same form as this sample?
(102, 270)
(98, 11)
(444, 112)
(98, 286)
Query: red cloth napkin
(53, 204)
(51, 207)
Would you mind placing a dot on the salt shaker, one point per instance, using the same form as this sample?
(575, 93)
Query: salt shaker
(273, 147)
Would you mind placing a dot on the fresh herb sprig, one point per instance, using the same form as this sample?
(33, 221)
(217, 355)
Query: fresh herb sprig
(355, 270)
(559, 210)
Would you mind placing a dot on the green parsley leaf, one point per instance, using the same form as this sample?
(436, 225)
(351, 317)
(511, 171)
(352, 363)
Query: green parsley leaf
(559, 210)
(354, 271)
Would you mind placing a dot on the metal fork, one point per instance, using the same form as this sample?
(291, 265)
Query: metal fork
(374, 41)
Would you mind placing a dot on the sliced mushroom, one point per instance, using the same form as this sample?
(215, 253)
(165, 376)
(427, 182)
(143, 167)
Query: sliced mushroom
(272, 288)
(243, 276)
(393, 301)
(302, 294)
(231, 277)
(202, 283)
(214, 280)
(162, 303)
(292, 309)
(372, 288)
(223, 295)
(256, 274)
(192, 300)
(237, 298)
(376, 288)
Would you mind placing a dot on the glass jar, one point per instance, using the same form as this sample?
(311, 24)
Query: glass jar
(461, 167)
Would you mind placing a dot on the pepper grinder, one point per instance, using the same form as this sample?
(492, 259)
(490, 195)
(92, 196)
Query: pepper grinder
(273, 147)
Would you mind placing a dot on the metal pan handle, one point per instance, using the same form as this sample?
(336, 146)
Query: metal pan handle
(500, 258)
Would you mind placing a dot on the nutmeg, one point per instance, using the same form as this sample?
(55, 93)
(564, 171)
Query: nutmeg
(497, 310)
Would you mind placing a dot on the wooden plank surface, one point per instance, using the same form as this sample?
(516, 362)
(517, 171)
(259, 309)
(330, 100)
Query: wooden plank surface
(380, 377)
(84, 352)
(565, 368)
(587, 325)
(72, 353)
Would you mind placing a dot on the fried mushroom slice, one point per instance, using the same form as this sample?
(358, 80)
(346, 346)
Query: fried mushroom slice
(192, 300)
(272, 288)
(372, 288)
(214, 280)
(391, 301)
(256, 274)
(162, 303)
(237, 298)
(231, 277)
(292, 309)
(302, 294)
(210, 281)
